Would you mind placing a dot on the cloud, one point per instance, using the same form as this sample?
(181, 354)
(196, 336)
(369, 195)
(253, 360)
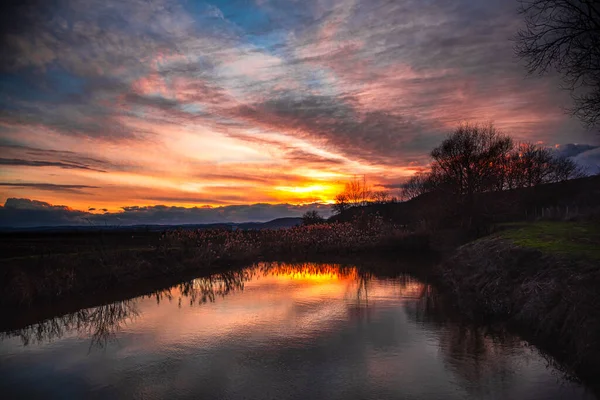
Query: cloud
(49, 186)
(37, 163)
(372, 136)
(589, 160)
(258, 95)
(574, 149)
(305, 158)
(31, 213)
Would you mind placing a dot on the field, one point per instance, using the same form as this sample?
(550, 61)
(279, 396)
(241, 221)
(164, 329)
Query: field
(39, 244)
(557, 237)
(42, 267)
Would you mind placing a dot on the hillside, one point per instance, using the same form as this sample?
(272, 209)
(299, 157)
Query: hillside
(277, 223)
(556, 199)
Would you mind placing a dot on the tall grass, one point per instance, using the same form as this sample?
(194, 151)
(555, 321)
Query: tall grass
(31, 279)
(326, 238)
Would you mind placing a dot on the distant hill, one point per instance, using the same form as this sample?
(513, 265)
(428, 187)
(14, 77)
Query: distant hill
(278, 223)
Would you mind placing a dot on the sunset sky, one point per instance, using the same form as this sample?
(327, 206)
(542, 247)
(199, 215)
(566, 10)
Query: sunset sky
(121, 105)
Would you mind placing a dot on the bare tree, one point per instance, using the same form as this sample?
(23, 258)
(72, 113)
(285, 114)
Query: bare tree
(466, 161)
(475, 159)
(416, 186)
(357, 192)
(564, 35)
(381, 197)
(341, 203)
(564, 168)
(312, 217)
(532, 165)
(354, 192)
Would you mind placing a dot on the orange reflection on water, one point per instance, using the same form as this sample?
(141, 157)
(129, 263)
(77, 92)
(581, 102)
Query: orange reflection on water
(267, 301)
(310, 272)
(269, 323)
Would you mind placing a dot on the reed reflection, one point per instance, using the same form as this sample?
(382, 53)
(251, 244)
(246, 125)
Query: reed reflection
(280, 322)
(100, 324)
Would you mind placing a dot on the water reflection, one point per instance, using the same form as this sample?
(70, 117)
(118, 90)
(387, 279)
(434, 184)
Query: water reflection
(267, 330)
(99, 324)
(481, 357)
(102, 323)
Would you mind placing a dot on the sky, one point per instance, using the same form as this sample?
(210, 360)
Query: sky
(122, 106)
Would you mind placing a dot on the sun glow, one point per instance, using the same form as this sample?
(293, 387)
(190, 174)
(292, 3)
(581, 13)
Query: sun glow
(314, 273)
(324, 192)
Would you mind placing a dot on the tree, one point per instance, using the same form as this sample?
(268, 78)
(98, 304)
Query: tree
(532, 165)
(341, 203)
(564, 168)
(564, 35)
(476, 159)
(381, 197)
(468, 161)
(312, 217)
(416, 186)
(357, 192)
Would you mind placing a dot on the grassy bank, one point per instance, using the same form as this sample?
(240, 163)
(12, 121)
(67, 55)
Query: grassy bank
(541, 278)
(52, 272)
(570, 239)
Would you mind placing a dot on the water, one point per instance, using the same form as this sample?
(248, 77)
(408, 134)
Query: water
(277, 331)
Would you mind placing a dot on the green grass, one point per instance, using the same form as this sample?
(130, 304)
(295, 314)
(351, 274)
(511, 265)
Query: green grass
(565, 238)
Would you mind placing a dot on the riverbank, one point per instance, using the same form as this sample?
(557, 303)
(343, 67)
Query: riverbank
(47, 269)
(540, 278)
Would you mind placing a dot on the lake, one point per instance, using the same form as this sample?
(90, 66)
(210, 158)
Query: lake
(277, 331)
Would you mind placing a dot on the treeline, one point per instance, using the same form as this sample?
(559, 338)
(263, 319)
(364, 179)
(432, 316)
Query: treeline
(478, 158)
(477, 177)
(358, 193)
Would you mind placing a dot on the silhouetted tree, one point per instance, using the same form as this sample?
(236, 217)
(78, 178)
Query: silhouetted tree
(381, 197)
(565, 35)
(532, 165)
(312, 217)
(416, 185)
(564, 168)
(356, 193)
(341, 203)
(467, 161)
